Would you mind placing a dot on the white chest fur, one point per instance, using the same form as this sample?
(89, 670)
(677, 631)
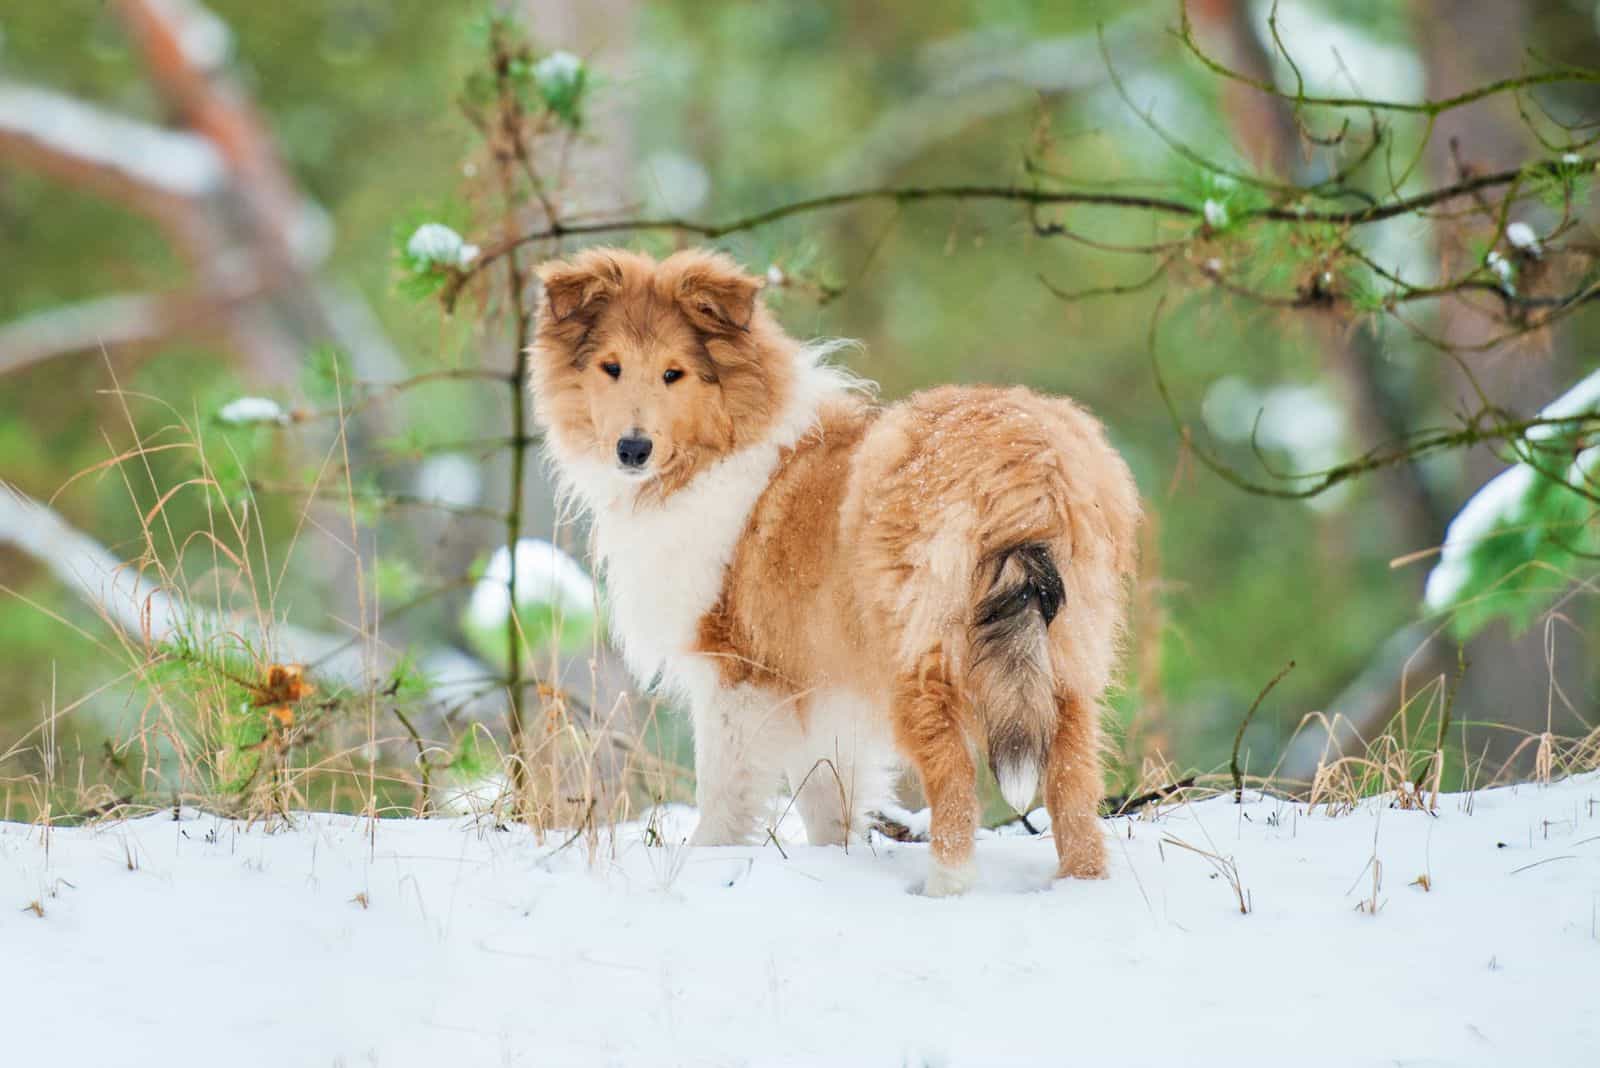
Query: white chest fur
(665, 564)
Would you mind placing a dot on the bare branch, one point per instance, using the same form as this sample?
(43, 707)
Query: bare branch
(185, 47)
(1282, 213)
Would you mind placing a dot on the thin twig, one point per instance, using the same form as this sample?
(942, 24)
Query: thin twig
(1238, 737)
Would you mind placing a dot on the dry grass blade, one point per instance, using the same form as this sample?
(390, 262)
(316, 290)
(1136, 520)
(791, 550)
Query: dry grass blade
(1224, 867)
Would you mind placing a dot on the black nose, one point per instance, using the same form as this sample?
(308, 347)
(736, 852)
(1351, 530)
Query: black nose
(633, 452)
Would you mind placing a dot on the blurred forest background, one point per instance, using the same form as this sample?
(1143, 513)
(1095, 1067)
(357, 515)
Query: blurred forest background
(139, 296)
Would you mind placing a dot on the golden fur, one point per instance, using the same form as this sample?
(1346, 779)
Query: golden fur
(948, 572)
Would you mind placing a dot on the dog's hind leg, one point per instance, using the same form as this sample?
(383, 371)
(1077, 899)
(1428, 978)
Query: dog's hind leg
(842, 769)
(1073, 788)
(821, 786)
(928, 725)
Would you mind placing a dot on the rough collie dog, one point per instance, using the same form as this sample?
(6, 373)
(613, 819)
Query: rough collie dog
(827, 582)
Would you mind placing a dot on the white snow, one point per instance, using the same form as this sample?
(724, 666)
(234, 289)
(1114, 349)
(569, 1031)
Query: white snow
(204, 38)
(545, 575)
(558, 72)
(453, 479)
(1582, 398)
(437, 243)
(1498, 502)
(1503, 270)
(200, 941)
(246, 410)
(1523, 237)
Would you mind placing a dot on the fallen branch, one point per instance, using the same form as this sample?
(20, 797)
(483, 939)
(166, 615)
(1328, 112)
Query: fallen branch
(1123, 805)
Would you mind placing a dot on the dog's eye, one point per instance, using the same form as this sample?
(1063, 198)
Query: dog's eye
(671, 375)
(612, 368)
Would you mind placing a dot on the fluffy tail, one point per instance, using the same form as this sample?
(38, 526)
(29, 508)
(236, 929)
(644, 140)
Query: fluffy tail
(1010, 677)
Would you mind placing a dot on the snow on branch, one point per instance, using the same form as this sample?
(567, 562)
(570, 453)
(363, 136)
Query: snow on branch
(203, 39)
(150, 614)
(81, 142)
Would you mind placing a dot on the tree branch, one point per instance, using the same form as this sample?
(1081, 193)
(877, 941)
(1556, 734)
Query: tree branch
(1282, 213)
(164, 172)
(114, 322)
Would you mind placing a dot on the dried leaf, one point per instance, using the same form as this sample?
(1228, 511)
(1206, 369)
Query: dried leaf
(285, 684)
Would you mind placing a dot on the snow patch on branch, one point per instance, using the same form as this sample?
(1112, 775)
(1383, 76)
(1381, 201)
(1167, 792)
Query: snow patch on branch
(150, 614)
(175, 163)
(204, 39)
(247, 411)
(1523, 238)
(1496, 504)
(1507, 499)
(436, 243)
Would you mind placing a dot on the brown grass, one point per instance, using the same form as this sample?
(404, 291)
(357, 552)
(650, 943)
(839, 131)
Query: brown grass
(336, 743)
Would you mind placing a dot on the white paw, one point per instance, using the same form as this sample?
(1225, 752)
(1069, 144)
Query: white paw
(944, 881)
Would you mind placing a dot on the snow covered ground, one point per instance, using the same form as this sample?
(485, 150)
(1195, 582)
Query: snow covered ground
(199, 942)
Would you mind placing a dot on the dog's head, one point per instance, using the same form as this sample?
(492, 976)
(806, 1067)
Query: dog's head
(645, 373)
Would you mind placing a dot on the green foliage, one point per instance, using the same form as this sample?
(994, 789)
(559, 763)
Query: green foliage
(562, 80)
(408, 681)
(429, 255)
(202, 681)
(1570, 184)
(1223, 200)
(1546, 536)
(473, 758)
(1530, 530)
(1365, 291)
(327, 376)
(366, 498)
(396, 580)
(231, 453)
(558, 82)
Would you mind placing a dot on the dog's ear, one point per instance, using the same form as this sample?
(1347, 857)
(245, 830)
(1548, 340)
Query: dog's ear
(580, 289)
(717, 297)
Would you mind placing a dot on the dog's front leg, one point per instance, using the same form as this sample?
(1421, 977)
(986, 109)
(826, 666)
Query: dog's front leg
(740, 735)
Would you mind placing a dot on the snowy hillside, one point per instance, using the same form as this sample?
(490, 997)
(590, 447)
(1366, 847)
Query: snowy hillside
(201, 942)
